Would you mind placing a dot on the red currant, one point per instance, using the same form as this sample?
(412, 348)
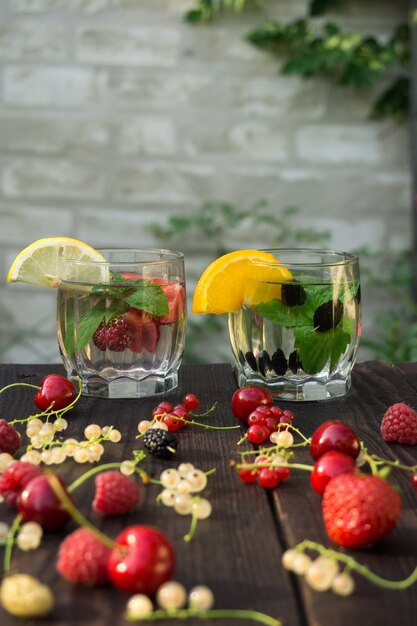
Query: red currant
(334, 435)
(276, 411)
(172, 422)
(191, 402)
(282, 472)
(163, 407)
(414, 481)
(257, 434)
(248, 475)
(256, 417)
(268, 478)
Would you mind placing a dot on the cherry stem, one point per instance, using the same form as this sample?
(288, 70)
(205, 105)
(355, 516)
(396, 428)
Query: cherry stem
(76, 515)
(9, 543)
(160, 614)
(352, 564)
(19, 385)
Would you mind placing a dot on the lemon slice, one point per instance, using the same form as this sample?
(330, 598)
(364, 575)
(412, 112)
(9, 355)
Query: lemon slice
(221, 287)
(41, 263)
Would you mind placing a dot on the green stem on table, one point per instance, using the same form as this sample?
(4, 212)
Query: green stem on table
(183, 614)
(9, 543)
(210, 410)
(353, 565)
(101, 468)
(395, 464)
(76, 515)
(19, 385)
(248, 466)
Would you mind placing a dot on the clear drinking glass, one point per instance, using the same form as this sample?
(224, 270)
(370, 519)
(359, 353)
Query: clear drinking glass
(121, 322)
(298, 330)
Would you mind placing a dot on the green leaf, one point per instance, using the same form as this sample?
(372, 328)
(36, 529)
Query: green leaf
(149, 297)
(282, 315)
(317, 348)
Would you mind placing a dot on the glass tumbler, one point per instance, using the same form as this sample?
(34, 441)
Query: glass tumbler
(297, 332)
(121, 322)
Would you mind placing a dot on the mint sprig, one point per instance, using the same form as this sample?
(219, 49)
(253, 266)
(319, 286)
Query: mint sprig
(315, 348)
(113, 299)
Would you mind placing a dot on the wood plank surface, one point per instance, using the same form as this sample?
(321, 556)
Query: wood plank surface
(237, 551)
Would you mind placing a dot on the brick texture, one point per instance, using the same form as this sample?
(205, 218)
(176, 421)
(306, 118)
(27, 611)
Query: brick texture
(115, 114)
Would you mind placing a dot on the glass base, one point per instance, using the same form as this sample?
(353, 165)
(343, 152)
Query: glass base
(128, 387)
(307, 390)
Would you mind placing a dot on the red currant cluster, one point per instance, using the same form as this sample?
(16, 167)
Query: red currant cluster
(169, 417)
(264, 421)
(264, 471)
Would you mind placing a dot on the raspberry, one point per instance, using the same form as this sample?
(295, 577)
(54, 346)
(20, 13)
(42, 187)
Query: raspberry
(399, 424)
(15, 477)
(9, 438)
(82, 559)
(112, 336)
(160, 443)
(116, 494)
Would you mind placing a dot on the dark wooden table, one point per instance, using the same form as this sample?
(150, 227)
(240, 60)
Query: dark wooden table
(237, 551)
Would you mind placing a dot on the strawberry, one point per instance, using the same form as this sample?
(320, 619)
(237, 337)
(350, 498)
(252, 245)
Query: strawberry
(116, 494)
(175, 293)
(359, 509)
(143, 331)
(399, 424)
(15, 477)
(112, 336)
(82, 558)
(9, 438)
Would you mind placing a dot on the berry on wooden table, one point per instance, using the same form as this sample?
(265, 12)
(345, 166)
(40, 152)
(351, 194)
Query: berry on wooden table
(9, 438)
(115, 493)
(82, 558)
(247, 399)
(329, 465)
(160, 443)
(334, 435)
(399, 424)
(24, 596)
(359, 509)
(14, 478)
(37, 502)
(56, 392)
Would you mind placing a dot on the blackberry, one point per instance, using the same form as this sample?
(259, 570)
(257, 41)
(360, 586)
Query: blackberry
(327, 315)
(251, 361)
(264, 362)
(160, 443)
(279, 362)
(293, 294)
(294, 362)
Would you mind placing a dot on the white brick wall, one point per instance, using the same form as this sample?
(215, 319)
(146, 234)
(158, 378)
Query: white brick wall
(115, 113)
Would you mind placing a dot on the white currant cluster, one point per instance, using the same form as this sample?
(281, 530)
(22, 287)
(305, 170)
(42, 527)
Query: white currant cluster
(44, 448)
(28, 537)
(321, 574)
(145, 425)
(282, 438)
(180, 489)
(171, 596)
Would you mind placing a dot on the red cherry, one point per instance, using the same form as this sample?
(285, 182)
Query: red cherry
(56, 392)
(257, 434)
(37, 502)
(247, 399)
(191, 402)
(268, 478)
(143, 560)
(329, 465)
(334, 435)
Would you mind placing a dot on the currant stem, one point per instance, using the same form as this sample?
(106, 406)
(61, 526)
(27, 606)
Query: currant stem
(76, 515)
(183, 614)
(101, 468)
(9, 543)
(194, 521)
(363, 570)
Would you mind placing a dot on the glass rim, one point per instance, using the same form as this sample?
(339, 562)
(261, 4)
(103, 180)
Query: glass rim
(170, 256)
(340, 258)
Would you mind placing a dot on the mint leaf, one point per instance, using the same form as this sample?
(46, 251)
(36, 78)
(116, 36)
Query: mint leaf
(317, 348)
(279, 313)
(149, 297)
